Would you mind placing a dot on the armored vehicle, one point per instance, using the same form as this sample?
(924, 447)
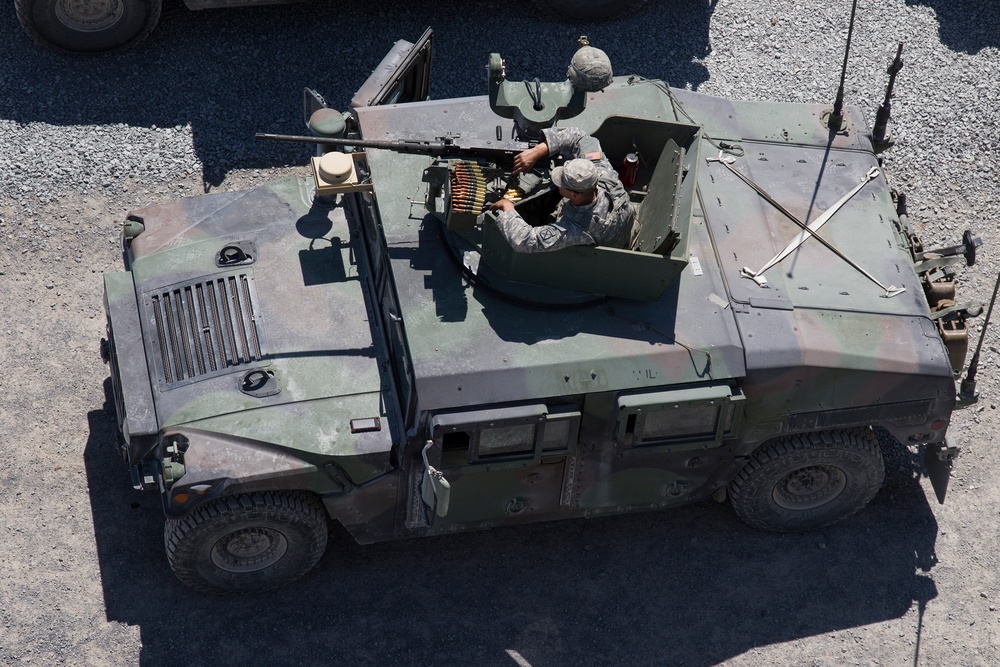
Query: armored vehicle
(362, 345)
(96, 26)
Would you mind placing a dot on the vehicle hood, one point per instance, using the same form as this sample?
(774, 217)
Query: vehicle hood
(273, 345)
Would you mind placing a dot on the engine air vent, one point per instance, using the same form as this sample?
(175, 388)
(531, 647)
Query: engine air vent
(206, 328)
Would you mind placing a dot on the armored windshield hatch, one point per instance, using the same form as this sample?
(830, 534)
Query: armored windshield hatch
(205, 328)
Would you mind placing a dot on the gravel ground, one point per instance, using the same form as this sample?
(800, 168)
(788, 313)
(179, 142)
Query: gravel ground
(83, 579)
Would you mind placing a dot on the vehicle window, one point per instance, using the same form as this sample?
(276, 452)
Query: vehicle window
(503, 440)
(510, 433)
(689, 421)
(560, 428)
(694, 416)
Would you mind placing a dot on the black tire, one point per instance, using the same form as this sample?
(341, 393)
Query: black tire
(585, 11)
(247, 543)
(88, 26)
(808, 481)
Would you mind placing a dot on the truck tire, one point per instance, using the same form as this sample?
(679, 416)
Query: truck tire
(585, 11)
(247, 543)
(88, 26)
(809, 480)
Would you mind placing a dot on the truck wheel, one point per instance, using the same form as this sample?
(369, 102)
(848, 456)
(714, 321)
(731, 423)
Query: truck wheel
(809, 480)
(88, 26)
(583, 11)
(247, 543)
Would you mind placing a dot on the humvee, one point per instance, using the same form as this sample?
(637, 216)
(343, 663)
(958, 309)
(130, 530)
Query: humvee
(361, 345)
(98, 26)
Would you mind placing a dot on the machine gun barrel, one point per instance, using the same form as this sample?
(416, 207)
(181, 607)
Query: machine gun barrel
(437, 148)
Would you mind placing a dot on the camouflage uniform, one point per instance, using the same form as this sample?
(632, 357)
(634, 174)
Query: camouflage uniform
(607, 221)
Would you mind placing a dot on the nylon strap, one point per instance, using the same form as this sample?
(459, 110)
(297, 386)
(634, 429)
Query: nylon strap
(807, 230)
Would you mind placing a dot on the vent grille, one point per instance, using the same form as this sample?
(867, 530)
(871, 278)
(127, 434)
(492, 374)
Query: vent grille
(206, 327)
(902, 414)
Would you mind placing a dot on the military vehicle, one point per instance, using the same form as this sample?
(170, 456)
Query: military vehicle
(361, 345)
(97, 26)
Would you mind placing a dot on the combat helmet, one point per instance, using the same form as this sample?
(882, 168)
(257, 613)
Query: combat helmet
(590, 68)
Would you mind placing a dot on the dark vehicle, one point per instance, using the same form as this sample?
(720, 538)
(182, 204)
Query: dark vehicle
(363, 346)
(97, 26)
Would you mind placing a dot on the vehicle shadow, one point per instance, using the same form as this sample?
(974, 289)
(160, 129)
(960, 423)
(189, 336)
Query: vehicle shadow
(231, 73)
(690, 586)
(965, 25)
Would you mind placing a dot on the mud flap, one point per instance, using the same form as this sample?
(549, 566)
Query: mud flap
(937, 462)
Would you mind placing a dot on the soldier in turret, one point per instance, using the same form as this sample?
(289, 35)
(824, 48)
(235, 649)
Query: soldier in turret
(595, 209)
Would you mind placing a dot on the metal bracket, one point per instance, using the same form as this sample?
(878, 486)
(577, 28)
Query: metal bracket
(968, 310)
(966, 249)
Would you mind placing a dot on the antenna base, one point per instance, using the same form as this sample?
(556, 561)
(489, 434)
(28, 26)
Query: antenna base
(967, 392)
(835, 121)
(882, 144)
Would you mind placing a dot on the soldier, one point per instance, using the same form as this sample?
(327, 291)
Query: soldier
(595, 209)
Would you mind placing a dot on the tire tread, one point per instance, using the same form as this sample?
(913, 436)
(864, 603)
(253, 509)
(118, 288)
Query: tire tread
(750, 498)
(181, 535)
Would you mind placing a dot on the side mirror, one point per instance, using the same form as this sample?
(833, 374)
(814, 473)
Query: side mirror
(435, 490)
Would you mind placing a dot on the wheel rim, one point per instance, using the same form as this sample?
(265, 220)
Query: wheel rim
(249, 549)
(89, 15)
(810, 487)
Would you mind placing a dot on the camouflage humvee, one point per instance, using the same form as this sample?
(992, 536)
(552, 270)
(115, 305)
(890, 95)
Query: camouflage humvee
(69, 26)
(366, 348)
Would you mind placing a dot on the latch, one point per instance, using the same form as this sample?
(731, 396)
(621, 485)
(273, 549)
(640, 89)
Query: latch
(236, 254)
(259, 383)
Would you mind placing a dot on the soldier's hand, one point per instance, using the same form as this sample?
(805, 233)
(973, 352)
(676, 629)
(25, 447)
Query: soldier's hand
(505, 204)
(526, 159)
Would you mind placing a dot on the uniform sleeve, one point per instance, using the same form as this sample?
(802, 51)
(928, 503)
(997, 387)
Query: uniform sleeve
(565, 141)
(547, 238)
(572, 142)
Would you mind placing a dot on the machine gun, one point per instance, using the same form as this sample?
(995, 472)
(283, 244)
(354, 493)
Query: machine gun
(502, 154)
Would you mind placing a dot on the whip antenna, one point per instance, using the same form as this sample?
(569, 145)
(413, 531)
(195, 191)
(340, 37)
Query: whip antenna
(837, 116)
(880, 132)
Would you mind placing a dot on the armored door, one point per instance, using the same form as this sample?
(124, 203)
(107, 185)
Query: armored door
(504, 465)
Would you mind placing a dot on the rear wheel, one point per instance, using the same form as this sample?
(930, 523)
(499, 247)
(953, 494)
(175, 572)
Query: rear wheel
(581, 11)
(809, 480)
(246, 543)
(88, 26)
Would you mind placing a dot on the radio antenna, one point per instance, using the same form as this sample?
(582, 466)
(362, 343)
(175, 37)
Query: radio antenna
(880, 132)
(837, 116)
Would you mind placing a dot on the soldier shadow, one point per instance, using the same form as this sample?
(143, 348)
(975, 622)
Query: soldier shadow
(968, 26)
(690, 586)
(251, 62)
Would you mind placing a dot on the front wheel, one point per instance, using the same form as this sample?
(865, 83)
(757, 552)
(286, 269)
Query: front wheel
(809, 480)
(88, 26)
(247, 543)
(582, 11)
